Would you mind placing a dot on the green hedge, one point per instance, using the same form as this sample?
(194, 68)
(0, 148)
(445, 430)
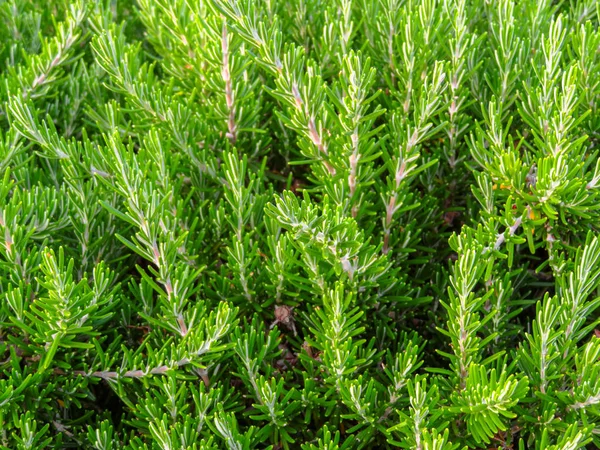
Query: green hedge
(315, 224)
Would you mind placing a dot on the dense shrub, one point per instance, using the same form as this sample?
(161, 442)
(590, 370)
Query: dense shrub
(299, 224)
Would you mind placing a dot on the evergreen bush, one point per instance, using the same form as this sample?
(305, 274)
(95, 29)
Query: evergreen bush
(312, 224)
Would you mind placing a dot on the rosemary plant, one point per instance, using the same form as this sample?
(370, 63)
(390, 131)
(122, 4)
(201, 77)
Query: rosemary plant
(299, 224)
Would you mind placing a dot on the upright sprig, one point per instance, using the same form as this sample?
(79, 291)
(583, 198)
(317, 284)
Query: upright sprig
(464, 309)
(154, 104)
(359, 148)
(35, 76)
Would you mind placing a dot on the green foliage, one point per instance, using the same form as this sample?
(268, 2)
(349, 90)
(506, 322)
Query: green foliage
(299, 224)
